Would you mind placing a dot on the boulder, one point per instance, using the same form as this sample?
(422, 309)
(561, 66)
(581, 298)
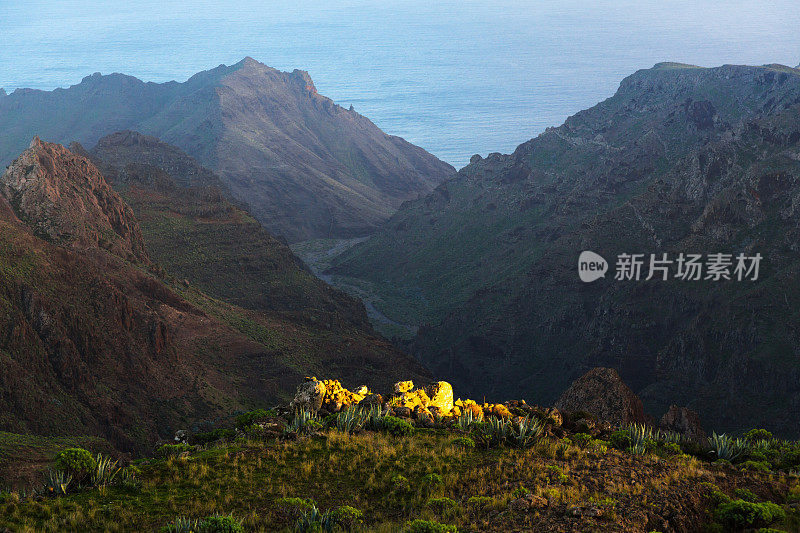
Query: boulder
(424, 417)
(602, 393)
(372, 399)
(553, 417)
(441, 396)
(411, 399)
(309, 396)
(527, 502)
(684, 421)
(402, 412)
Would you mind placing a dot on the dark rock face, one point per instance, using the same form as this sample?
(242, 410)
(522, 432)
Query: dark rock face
(602, 393)
(305, 166)
(684, 421)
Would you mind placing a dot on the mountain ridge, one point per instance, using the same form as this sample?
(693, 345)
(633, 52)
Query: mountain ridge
(305, 166)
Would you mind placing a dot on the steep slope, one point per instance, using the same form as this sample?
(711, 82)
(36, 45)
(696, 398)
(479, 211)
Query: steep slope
(674, 162)
(94, 344)
(197, 234)
(305, 166)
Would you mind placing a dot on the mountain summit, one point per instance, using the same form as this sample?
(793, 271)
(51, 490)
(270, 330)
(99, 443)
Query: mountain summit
(305, 166)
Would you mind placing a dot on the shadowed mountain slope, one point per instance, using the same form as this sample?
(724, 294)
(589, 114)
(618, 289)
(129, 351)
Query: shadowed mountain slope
(197, 234)
(95, 340)
(680, 159)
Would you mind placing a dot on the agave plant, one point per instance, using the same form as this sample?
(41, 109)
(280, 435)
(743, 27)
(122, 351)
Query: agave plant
(313, 519)
(351, 419)
(670, 436)
(467, 420)
(494, 431)
(106, 471)
(373, 418)
(527, 433)
(57, 482)
(639, 434)
(726, 447)
(765, 445)
(638, 448)
(304, 421)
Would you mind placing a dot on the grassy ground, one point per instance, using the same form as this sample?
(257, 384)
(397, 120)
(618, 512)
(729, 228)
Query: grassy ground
(22, 457)
(396, 479)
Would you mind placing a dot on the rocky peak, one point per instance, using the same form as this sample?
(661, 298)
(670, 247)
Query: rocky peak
(602, 393)
(63, 198)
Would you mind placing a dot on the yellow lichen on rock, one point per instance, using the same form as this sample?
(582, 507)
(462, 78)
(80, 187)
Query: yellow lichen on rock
(403, 386)
(441, 396)
(501, 411)
(411, 399)
(468, 405)
(337, 397)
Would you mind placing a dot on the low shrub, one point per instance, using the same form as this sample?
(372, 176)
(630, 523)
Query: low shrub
(220, 524)
(400, 483)
(173, 450)
(442, 504)
(463, 442)
(428, 526)
(76, 462)
(397, 426)
(621, 440)
(755, 435)
(244, 421)
(743, 514)
(480, 502)
(581, 439)
(757, 466)
(347, 517)
(746, 495)
(432, 479)
(294, 503)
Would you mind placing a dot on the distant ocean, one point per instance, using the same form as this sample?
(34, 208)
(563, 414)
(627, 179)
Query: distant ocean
(456, 77)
